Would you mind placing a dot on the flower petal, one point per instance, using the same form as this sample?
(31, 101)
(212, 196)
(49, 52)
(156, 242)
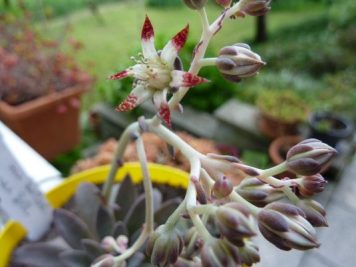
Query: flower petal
(137, 96)
(185, 79)
(147, 40)
(170, 51)
(165, 114)
(120, 75)
(160, 97)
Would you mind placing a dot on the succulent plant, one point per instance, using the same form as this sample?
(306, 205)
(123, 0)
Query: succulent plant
(88, 227)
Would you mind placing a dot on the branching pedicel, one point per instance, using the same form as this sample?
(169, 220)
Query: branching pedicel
(210, 198)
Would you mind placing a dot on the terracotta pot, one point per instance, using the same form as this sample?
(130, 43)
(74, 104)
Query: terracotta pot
(49, 124)
(273, 128)
(279, 148)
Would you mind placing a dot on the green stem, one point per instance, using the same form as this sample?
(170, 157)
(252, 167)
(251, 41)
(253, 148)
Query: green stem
(147, 184)
(121, 146)
(204, 62)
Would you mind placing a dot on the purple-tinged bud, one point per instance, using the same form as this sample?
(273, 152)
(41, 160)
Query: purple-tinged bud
(255, 8)
(310, 185)
(224, 3)
(192, 243)
(285, 226)
(201, 194)
(233, 222)
(222, 187)
(143, 124)
(314, 212)
(309, 157)
(238, 61)
(258, 193)
(219, 253)
(195, 4)
(249, 253)
(165, 245)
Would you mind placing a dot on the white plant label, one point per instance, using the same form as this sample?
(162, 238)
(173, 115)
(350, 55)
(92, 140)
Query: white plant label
(20, 197)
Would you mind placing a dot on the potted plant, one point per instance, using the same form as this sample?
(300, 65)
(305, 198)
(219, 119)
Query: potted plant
(329, 127)
(281, 112)
(213, 224)
(40, 88)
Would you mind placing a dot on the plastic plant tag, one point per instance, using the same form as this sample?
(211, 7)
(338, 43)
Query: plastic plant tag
(20, 198)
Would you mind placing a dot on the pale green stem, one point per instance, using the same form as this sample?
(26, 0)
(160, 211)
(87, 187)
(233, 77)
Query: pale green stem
(191, 203)
(204, 209)
(175, 216)
(237, 198)
(204, 62)
(267, 177)
(148, 227)
(147, 184)
(120, 149)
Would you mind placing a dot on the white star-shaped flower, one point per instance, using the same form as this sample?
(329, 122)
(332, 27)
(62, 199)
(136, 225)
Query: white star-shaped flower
(155, 73)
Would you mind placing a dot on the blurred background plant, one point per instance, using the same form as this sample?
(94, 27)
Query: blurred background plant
(32, 66)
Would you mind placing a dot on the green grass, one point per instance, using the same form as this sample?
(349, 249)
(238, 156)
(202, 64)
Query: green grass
(109, 46)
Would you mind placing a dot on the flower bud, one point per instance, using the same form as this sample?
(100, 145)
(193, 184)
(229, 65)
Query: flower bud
(222, 187)
(195, 4)
(249, 253)
(309, 157)
(233, 222)
(201, 195)
(258, 193)
(224, 3)
(219, 253)
(255, 8)
(238, 61)
(310, 185)
(165, 245)
(314, 212)
(285, 226)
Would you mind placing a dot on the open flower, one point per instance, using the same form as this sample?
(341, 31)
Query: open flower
(155, 73)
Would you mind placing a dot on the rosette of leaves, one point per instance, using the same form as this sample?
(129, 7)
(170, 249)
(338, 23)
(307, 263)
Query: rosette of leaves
(80, 228)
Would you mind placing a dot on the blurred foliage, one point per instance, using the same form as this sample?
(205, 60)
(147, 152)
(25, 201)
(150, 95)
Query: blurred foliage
(284, 105)
(31, 65)
(163, 3)
(50, 8)
(313, 58)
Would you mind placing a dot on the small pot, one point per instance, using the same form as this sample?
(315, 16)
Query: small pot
(273, 128)
(338, 127)
(13, 232)
(278, 150)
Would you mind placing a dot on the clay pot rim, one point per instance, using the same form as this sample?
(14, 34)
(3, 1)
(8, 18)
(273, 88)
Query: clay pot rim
(277, 143)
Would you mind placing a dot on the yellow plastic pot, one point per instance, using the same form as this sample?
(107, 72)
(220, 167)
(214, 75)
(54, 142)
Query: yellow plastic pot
(13, 232)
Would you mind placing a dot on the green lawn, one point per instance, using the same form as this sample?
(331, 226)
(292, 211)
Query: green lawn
(109, 46)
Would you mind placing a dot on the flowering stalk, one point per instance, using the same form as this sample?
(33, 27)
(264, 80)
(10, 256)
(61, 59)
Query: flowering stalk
(210, 196)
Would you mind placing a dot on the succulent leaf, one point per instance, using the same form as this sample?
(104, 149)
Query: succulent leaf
(136, 260)
(105, 222)
(126, 195)
(37, 255)
(86, 204)
(119, 229)
(166, 209)
(75, 258)
(70, 227)
(135, 217)
(93, 248)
